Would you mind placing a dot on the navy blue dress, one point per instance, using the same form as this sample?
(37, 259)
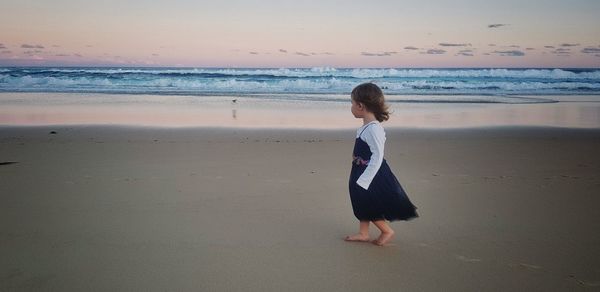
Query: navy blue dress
(385, 199)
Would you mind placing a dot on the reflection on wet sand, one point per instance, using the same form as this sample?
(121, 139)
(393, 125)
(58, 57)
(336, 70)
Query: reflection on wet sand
(247, 112)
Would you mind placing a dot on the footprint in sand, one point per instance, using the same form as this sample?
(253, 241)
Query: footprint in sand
(530, 266)
(524, 265)
(427, 245)
(466, 259)
(590, 284)
(586, 283)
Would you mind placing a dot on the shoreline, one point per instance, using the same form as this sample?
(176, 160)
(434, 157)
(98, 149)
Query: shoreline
(245, 112)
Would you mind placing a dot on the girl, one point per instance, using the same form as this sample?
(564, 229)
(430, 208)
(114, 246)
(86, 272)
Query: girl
(375, 192)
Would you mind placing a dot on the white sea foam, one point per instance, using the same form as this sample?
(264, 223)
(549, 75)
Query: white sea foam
(318, 80)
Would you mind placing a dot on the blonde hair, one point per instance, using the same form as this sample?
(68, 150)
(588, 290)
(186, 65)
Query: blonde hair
(371, 96)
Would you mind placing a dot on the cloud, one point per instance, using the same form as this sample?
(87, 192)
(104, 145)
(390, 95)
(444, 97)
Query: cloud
(435, 52)
(2, 46)
(411, 48)
(77, 55)
(549, 47)
(568, 45)
(282, 51)
(327, 53)
(26, 46)
(562, 52)
(514, 46)
(590, 50)
(155, 55)
(6, 52)
(465, 52)
(55, 46)
(62, 55)
(492, 45)
(253, 53)
(383, 54)
(368, 54)
(496, 25)
(529, 49)
(511, 53)
(302, 54)
(33, 52)
(453, 45)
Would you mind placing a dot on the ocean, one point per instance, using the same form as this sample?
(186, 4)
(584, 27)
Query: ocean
(297, 97)
(314, 83)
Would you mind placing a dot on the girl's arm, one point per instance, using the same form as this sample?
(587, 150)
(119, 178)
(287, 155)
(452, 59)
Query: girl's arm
(375, 138)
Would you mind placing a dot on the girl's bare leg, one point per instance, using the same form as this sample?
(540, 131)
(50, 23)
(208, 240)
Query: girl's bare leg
(386, 233)
(363, 234)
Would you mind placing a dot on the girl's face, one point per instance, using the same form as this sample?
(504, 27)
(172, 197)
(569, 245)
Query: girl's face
(357, 109)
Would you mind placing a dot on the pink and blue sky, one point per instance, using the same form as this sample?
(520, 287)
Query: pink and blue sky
(282, 33)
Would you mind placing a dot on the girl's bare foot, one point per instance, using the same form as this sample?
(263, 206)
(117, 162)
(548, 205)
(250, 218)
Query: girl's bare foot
(383, 238)
(357, 237)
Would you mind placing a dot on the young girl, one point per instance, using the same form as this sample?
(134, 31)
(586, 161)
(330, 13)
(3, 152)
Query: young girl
(375, 192)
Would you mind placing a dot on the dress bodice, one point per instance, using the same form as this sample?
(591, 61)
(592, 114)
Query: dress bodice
(361, 149)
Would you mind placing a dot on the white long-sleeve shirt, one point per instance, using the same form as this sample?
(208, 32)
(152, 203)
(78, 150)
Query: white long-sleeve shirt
(374, 136)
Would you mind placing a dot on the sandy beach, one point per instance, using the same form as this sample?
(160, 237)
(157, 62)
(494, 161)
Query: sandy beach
(208, 146)
(106, 208)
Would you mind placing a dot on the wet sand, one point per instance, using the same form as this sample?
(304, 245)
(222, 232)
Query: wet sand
(139, 208)
(294, 111)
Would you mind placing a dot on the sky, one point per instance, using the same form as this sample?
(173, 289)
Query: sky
(282, 33)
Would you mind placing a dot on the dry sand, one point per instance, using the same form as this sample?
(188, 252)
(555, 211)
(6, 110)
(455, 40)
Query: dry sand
(148, 209)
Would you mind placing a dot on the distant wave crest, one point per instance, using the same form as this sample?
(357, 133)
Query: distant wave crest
(318, 80)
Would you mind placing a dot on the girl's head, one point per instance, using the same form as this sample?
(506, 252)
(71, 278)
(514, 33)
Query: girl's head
(370, 97)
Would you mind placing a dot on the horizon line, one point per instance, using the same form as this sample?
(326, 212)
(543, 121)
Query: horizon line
(280, 67)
